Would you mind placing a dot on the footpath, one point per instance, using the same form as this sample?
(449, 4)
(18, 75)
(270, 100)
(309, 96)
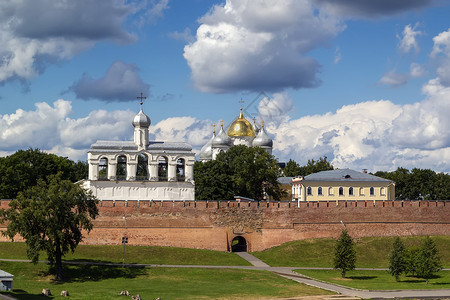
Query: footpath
(288, 272)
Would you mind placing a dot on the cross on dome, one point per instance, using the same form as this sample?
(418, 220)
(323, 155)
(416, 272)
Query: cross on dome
(141, 98)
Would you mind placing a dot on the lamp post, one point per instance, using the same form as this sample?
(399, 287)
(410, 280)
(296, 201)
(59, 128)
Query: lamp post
(124, 240)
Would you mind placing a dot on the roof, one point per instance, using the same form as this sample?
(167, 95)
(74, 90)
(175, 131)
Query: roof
(344, 175)
(130, 145)
(4, 274)
(285, 180)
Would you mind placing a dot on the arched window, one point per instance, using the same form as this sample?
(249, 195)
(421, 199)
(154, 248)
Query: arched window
(309, 191)
(341, 191)
(383, 191)
(361, 191)
(372, 191)
(180, 169)
(121, 172)
(142, 167)
(103, 169)
(330, 191)
(162, 168)
(350, 191)
(319, 191)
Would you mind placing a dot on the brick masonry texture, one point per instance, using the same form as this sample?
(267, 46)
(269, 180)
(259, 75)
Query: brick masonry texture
(214, 224)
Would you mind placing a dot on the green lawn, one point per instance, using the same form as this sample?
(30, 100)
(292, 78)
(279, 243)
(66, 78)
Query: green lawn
(379, 280)
(136, 254)
(104, 282)
(370, 252)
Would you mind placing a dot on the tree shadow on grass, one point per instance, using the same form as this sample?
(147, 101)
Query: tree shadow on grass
(83, 273)
(21, 294)
(362, 277)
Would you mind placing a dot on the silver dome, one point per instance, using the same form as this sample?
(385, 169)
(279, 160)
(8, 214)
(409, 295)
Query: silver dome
(141, 119)
(262, 139)
(206, 151)
(221, 140)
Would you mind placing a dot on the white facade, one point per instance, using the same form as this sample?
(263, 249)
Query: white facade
(141, 169)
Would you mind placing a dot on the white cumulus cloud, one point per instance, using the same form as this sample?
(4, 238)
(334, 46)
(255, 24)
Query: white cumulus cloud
(408, 39)
(259, 45)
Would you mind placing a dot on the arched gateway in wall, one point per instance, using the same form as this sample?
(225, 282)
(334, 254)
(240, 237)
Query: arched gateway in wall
(239, 244)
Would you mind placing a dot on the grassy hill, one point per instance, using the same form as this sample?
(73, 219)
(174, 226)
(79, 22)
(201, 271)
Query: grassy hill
(370, 252)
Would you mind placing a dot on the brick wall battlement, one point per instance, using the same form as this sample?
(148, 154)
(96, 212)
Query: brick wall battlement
(214, 224)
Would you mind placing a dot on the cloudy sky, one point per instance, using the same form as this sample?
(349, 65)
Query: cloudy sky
(366, 83)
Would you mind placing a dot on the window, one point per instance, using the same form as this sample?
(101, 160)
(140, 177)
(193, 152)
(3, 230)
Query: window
(319, 191)
(330, 191)
(309, 191)
(361, 191)
(180, 170)
(162, 168)
(372, 191)
(350, 191)
(142, 167)
(383, 191)
(103, 169)
(121, 172)
(341, 191)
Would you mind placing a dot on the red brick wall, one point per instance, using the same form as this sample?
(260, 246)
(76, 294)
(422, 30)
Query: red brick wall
(213, 224)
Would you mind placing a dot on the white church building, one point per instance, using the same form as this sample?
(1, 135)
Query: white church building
(240, 132)
(141, 169)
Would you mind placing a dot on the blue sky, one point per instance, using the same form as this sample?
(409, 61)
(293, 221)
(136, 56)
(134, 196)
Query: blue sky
(365, 83)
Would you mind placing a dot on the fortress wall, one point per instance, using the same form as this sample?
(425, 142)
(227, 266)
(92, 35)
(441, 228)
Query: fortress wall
(213, 224)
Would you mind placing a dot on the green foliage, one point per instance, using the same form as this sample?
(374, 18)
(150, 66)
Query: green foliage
(429, 261)
(412, 257)
(397, 264)
(293, 169)
(50, 217)
(419, 184)
(243, 171)
(25, 168)
(344, 253)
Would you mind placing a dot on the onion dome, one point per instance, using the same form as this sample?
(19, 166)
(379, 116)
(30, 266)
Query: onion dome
(141, 119)
(262, 139)
(206, 151)
(241, 127)
(222, 139)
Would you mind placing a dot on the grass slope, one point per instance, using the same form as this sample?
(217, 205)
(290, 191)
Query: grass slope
(135, 254)
(379, 280)
(103, 282)
(370, 252)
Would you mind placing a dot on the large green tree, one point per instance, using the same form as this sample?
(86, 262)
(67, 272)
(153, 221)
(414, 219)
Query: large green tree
(429, 261)
(293, 169)
(419, 184)
(50, 217)
(244, 171)
(397, 262)
(344, 253)
(25, 168)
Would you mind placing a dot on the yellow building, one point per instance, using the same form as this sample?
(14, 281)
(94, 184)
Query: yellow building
(342, 184)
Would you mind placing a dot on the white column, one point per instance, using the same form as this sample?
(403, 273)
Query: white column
(112, 169)
(189, 170)
(93, 171)
(153, 171)
(131, 170)
(172, 171)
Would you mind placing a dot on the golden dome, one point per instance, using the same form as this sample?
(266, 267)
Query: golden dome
(241, 127)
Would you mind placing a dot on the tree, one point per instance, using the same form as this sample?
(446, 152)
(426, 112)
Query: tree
(292, 169)
(24, 168)
(50, 217)
(344, 253)
(397, 263)
(245, 171)
(429, 261)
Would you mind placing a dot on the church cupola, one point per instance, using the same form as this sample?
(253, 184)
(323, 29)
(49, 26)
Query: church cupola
(141, 122)
(263, 140)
